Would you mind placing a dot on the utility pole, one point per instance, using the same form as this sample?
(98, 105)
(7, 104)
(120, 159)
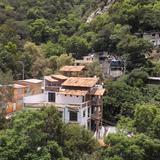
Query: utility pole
(22, 63)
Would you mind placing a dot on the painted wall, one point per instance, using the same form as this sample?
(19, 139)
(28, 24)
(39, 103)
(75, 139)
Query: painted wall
(82, 120)
(62, 99)
(34, 99)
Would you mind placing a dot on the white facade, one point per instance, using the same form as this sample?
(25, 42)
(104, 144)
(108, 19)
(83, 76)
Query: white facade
(83, 111)
(83, 116)
(153, 37)
(34, 99)
(68, 99)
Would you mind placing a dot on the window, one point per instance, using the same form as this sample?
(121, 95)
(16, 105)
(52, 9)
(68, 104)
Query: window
(89, 112)
(83, 99)
(72, 116)
(153, 34)
(84, 113)
(51, 97)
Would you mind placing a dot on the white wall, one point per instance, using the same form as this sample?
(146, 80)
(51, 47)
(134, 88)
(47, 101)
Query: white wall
(33, 99)
(62, 99)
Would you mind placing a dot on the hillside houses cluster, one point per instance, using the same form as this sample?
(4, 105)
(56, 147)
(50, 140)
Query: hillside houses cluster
(78, 99)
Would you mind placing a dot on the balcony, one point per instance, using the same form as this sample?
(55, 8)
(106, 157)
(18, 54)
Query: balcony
(97, 102)
(52, 88)
(85, 104)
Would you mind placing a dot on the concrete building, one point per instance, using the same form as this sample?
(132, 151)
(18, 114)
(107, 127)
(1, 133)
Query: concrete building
(19, 91)
(79, 99)
(85, 60)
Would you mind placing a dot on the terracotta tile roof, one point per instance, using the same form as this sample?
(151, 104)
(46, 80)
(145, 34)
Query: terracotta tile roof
(59, 76)
(72, 68)
(17, 86)
(74, 92)
(97, 91)
(50, 79)
(80, 82)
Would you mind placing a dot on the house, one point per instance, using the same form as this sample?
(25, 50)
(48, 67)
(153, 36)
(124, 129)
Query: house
(52, 84)
(34, 86)
(78, 99)
(86, 60)
(153, 37)
(12, 98)
(72, 70)
(34, 94)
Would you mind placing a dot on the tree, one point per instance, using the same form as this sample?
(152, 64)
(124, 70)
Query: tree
(64, 59)
(51, 49)
(94, 69)
(144, 116)
(137, 78)
(44, 137)
(135, 49)
(122, 148)
(120, 100)
(6, 93)
(34, 60)
(76, 146)
(77, 45)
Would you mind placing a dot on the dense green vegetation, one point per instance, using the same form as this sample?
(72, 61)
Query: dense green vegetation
(58, 27)
(138, 137)
(34, 135)
(44, 35)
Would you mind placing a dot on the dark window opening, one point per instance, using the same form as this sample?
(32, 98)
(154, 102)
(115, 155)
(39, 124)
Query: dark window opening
(83, 99)
(84, 113)
(72, 116)
(51, 97)
(88, 112)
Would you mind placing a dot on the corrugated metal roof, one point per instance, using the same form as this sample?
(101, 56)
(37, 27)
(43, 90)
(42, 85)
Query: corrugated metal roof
(80, 82)
(72, 68)
(32, 80)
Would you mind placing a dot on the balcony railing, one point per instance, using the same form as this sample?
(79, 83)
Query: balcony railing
(97, 102)
(85, 104)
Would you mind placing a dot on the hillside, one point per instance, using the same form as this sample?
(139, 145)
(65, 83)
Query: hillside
(37, 38)
(53, 28)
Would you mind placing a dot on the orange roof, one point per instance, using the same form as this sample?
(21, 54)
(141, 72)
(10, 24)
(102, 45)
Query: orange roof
(59, 76)
(97, 91)
(80, 82)
(17, 86)
(50, 79)
(74, 92)
(72, 68)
